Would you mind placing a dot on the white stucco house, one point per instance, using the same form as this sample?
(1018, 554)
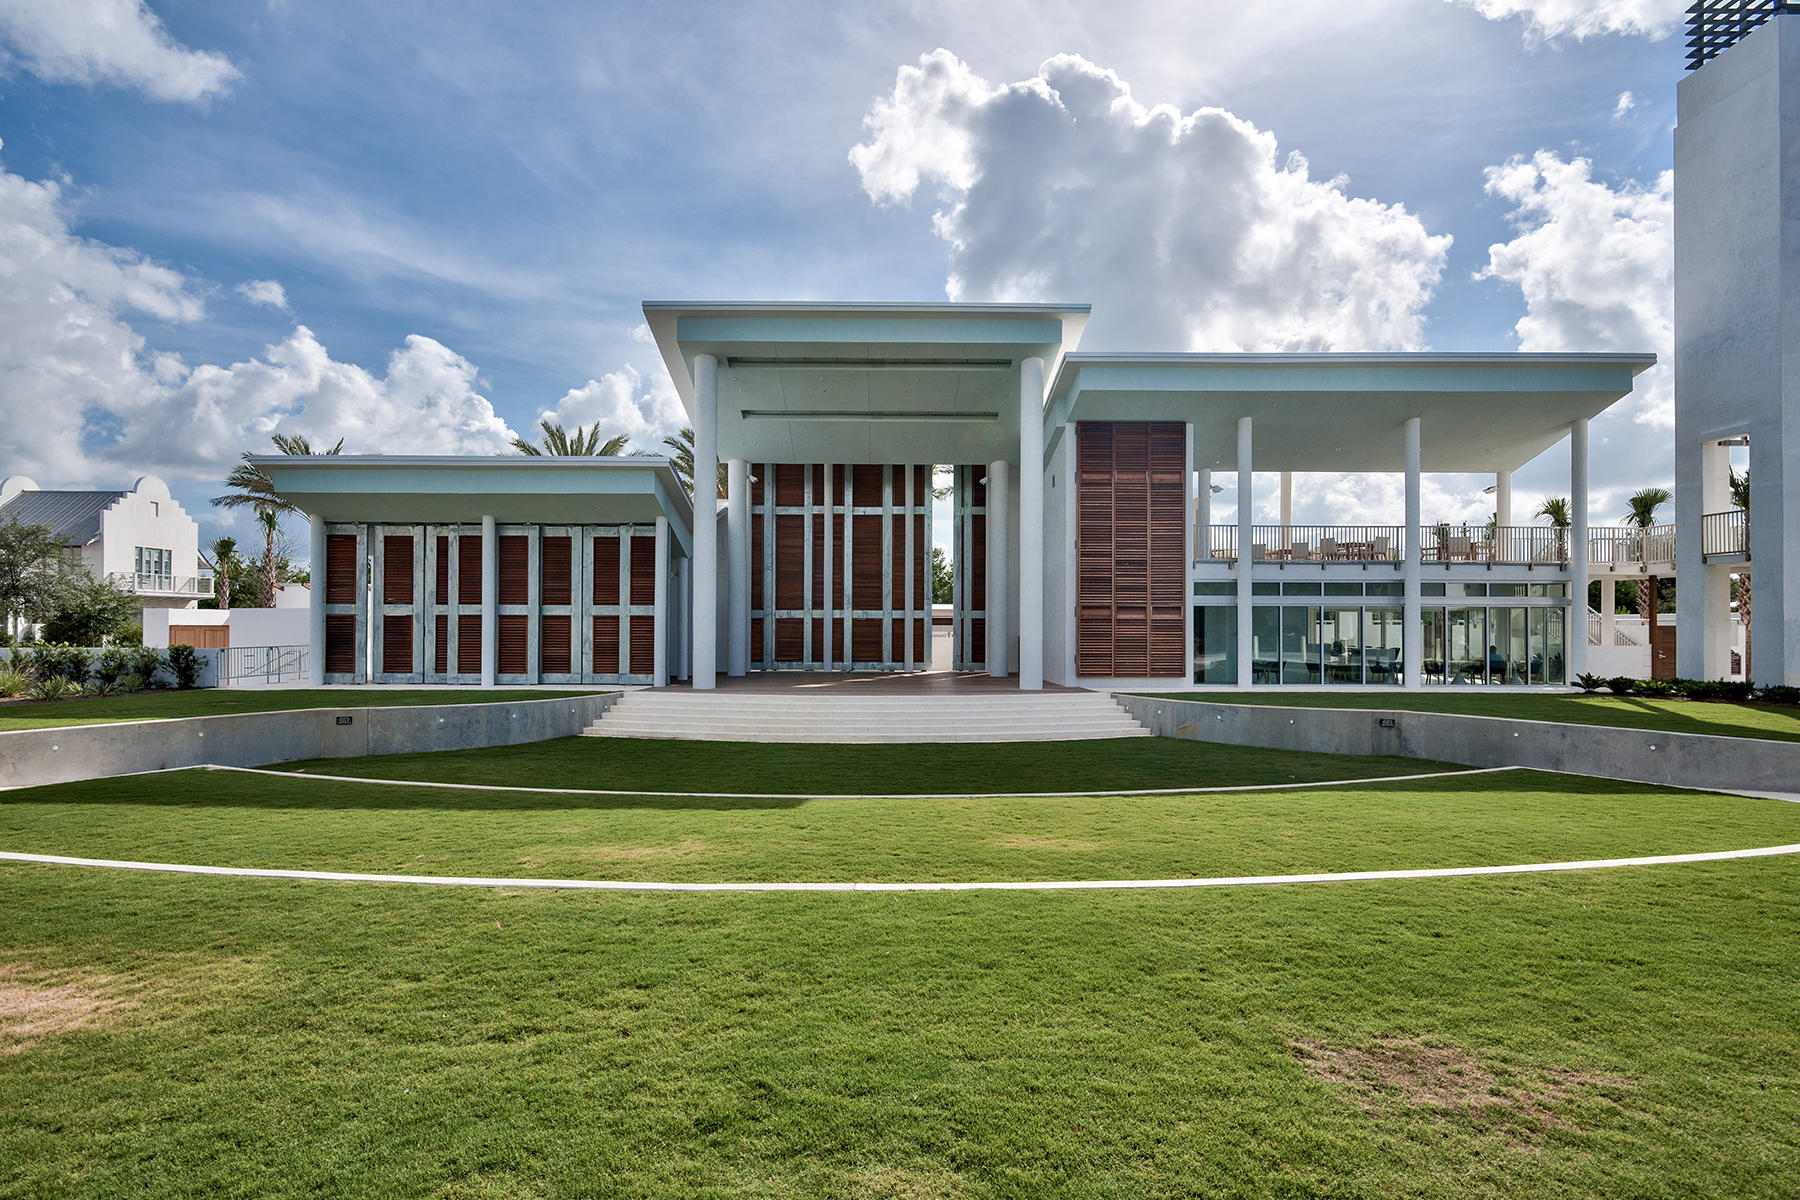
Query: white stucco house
(139, 536)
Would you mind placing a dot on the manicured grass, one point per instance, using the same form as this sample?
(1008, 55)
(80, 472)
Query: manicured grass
(212, 702)
(1781, 723)
(616, 764)
(236, 819)
(1641, 1029)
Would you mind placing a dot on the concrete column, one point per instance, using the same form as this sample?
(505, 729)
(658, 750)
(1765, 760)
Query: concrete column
(706, 524)
(909, 600)
(1503, 498)
(1412, 626)
(737, 562)
(830, 605)
(1202, 514)
(1031, 524)
(1609, 611)
(659, 656)
(1576, 642)
(999, 549)
(1287, 508)
(315, 662)
(490, 601)
(684, 601)
(1246, 520)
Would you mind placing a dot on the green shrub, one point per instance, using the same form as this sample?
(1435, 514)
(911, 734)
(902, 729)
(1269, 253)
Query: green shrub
(1621, 685)
(55, 688)
(13, 682)
(132, 683)
(1713, 689)
(112, 664)
(1656, 687)
(146, 661)
(49, 660)
(184, 664)
(1777, 694)
(1590, 683)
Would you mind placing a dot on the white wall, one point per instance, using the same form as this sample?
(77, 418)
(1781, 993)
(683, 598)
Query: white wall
(148, 516)
(249, 626)
(1059, 541)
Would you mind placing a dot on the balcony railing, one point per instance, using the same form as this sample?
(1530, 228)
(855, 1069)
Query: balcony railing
(1628, 545)
(1515, 545)
(147, 583)
(1725, 534)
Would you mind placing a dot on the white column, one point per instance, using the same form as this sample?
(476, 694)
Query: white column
(1503, 499)
(1576, 642)
(827, 600)
(1031, 524)
(706, 524)
(1609, 609)
(659, 657)
(998, 550)
(1246, 520)
(909, 599)
(1412, 628)
(737, 562)
(490, 601)
(1287, 508)
(1202, 514)
(315, 663)
(684, 595)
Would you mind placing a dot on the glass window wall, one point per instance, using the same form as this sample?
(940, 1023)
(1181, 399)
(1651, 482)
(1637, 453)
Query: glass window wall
(1215, 644)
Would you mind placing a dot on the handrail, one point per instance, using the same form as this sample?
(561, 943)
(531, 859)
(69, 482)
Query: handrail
(1508, 545)
(1723, 533)
(156, 582)
(1629, 544)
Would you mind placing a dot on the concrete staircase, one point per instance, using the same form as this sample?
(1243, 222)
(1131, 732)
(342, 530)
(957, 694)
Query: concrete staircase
(788, 717)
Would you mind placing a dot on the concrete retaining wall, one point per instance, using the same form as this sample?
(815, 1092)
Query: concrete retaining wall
(1682, 759)
(30, 757)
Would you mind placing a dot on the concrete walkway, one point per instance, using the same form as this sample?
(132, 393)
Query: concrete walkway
(1062, 885)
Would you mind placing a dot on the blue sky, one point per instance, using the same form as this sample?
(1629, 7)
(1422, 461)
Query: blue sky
(511, 182)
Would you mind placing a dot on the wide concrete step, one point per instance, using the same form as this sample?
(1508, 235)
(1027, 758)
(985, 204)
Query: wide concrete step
(790, 717)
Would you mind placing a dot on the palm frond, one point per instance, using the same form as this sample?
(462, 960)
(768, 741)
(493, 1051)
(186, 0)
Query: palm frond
(1644, 504)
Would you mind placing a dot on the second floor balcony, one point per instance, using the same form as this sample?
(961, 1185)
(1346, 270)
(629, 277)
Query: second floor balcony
(1725, 535)
(1512, 545)
(149, 583)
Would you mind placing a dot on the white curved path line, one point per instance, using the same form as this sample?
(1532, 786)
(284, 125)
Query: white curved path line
(1058, 885)
(556, 791)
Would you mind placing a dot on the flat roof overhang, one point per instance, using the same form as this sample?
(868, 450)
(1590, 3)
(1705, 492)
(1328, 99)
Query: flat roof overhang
(1347, 412)
(453, 489)
(870, 383)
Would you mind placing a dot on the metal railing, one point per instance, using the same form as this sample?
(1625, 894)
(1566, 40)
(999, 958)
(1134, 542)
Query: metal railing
(1725, 533)
(1510, 545)
(1305, 543)
(1628, 545)
(1596, 631)
(166, 585)
(261, 664)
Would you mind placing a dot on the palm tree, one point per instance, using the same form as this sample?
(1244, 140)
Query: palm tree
(253, 488)
(583, 443)
(681, 459)
(223, 551)
(1740, 498)
(1556, 510)
(1642, 516)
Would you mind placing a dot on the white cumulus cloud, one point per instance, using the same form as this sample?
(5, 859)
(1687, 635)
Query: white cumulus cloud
(1596, 266)
(1186, 230)
(84, 398)
(267, 292)
(624, 402)
(1578, 19)
(116, 42)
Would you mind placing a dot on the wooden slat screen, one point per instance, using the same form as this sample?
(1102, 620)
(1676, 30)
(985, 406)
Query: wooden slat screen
(790, 569)
(606, 573)
(442, 593)
(555, 568)
(340, 568)
(468, 569)
(515, 570)
(468, 644)
(200, 637)
(1130, 572)
(513, 630)
(606, 645)
(397, 640)
(643, 645)
(643, 569)
(554, 655)
(440, 659)
(340, 642)
(397, 569)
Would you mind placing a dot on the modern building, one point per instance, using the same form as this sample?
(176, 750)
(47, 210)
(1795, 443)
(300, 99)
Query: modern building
(1084, 549)
(138, 536)
(1737, 323)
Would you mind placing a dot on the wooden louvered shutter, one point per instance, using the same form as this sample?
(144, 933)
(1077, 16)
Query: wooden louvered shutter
(397, 569)
(554, 570)
(340, 643)
(441, 654)
(397, 642)
(513, 631)
(468, 644)
(553, 644)
(441, 595)
(1168, 567)
(515, 572)
(606, 644)
(1093, 549)
(643, 645)
(643, 570)
(606, 572)
(468, 569)
(1131, 568)
(340, 568)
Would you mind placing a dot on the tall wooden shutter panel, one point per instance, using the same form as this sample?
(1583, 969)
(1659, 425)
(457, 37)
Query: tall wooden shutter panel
(397, 569)
(643, 570)
(606, 645)
(555, 568)
(1131, 569)
(643, 645)
(340, 568)
(441, 595)
(441, 653)
(468, 569)
(340, 643)
(553, 645)
(397, 642)
(606, 571)
(513, 630)
(468, 644)
(515, 570)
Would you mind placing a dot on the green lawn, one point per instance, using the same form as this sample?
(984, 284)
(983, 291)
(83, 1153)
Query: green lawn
(1617, 1033)
(1631, 712)
(236, 819)
(213, 702)
(675, 766)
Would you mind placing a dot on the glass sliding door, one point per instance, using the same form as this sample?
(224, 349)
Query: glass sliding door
(1382, 639)
(1509, 652)
(1466, 646)
(1548, 665)
(1300, 650)
(1340, 637)
(1215, 644)
(1265, 639)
